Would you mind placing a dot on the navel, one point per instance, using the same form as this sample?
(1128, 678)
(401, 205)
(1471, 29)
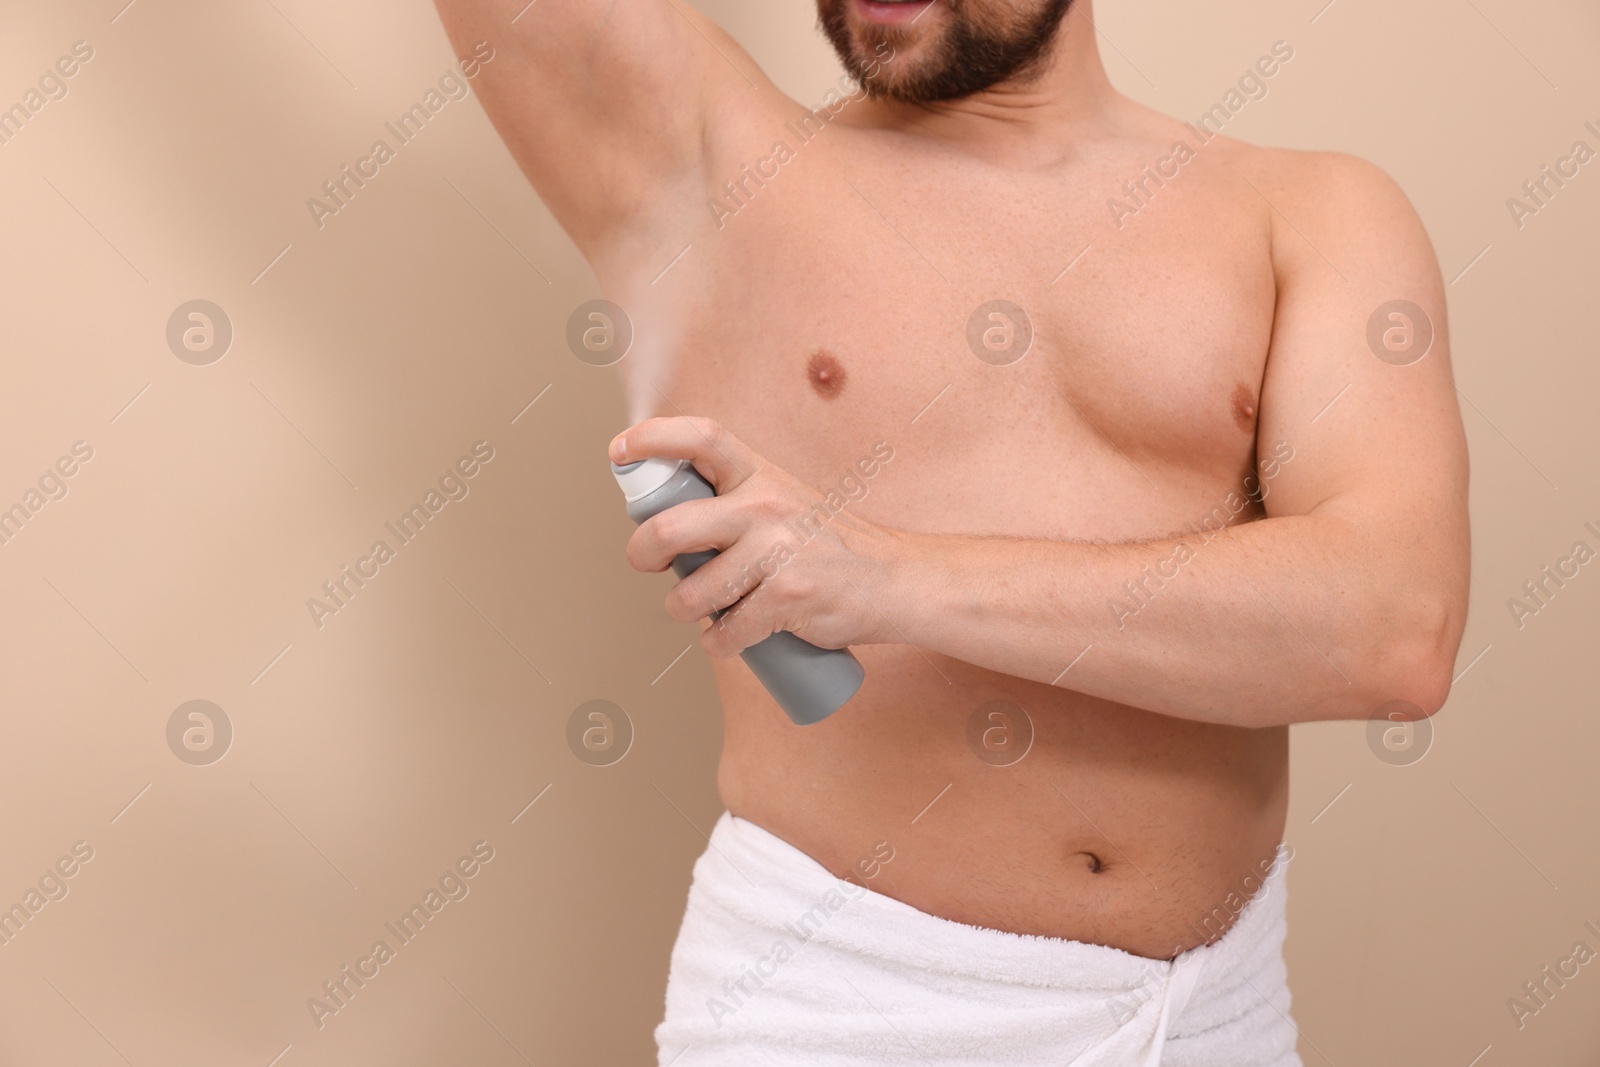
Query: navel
(1244, 407)
(826, 374)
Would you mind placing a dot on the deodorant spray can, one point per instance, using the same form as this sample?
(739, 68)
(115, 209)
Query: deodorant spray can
(809, 683)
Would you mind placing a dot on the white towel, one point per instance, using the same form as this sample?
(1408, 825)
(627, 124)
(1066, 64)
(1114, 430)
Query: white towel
(780, 964)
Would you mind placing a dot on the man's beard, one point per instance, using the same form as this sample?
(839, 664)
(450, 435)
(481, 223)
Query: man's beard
(967, 58)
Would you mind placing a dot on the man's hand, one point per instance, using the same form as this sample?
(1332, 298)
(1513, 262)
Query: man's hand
(789, 561)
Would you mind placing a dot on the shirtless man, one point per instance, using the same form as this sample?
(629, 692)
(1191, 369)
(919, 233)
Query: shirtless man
(1215, 346)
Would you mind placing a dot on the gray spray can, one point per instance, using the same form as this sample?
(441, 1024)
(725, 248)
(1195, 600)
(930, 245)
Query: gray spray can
(809, 683)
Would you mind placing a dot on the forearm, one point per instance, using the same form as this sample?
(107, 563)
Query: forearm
(1282, 620)
(1348, 601)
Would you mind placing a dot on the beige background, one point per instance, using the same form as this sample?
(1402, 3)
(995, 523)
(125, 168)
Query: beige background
(371, 753)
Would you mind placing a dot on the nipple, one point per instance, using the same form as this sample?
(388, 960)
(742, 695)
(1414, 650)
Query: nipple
(1244, 407)
(826, 374)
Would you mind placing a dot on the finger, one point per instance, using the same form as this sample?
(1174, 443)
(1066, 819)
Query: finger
(719, 584)
(725, 460)
(748, 623)
(692, 526)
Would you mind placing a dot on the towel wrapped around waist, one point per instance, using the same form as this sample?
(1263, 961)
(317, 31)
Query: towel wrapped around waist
(779, 963)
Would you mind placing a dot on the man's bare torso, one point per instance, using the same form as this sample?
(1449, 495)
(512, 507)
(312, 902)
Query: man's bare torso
(828, 313)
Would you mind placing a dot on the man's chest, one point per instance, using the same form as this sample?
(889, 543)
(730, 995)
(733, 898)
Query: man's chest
(1004, 343)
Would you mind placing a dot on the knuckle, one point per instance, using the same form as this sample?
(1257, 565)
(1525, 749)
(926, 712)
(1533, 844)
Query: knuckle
(716, 640)
(663, 531)
(729, 630)
(678, 609)
(716, 434)
(770, 506)
(688, 599)
(637, 551)
(792, 590)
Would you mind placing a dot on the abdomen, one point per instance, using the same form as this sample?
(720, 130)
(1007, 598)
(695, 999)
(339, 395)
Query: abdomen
(1073, 818)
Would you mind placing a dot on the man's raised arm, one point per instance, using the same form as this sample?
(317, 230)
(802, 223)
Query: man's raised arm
(604, 103)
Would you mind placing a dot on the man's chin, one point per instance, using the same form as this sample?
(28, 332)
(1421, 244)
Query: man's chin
(890, 49)
(945, 55)
(898, 89)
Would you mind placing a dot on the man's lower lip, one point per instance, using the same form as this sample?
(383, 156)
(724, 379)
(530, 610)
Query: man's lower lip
(875, 11)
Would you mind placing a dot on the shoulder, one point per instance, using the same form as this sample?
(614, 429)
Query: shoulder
(1324, 184)
(1318, 184)
(1335, 207)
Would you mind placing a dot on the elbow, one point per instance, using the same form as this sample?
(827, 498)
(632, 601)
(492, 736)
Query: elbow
(1415, 664)
(1422, 684)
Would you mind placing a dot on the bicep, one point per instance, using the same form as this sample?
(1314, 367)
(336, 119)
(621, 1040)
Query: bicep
(1358, 380)
(601, 102)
